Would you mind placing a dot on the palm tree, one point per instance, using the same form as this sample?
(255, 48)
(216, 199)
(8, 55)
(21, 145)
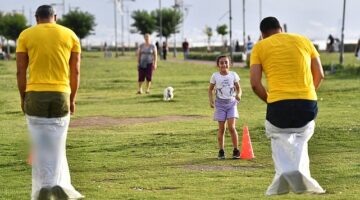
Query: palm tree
(208, 31)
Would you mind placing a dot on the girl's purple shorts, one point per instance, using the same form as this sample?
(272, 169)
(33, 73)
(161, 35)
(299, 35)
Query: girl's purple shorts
(225, 109)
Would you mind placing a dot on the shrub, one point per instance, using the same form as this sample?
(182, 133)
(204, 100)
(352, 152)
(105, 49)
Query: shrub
(213, 56)
(338, 68)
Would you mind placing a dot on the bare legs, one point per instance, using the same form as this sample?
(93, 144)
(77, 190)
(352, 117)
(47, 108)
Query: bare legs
(221, 134)
(148, 86)
(140, 88)
(233, 133)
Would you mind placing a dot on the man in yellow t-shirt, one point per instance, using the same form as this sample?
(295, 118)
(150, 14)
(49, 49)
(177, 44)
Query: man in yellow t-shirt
(50, 53)
(293, 72)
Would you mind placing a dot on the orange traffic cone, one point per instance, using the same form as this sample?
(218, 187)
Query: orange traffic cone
(29, 160)
(246, 147)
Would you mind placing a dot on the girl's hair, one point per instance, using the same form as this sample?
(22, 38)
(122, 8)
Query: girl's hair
(223, 56)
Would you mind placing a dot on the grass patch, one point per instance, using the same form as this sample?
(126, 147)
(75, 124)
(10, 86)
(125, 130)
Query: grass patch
(163, 159)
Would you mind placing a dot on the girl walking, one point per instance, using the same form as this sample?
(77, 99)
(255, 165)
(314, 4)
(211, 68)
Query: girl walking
(227, 89)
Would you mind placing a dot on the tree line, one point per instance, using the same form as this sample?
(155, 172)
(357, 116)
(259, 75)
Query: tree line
(12, 24)
(83, 23)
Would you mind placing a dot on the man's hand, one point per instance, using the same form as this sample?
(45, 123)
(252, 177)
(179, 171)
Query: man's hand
(23, 105)
(72, 108)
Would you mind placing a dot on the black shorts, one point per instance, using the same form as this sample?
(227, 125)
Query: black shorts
(291, 113)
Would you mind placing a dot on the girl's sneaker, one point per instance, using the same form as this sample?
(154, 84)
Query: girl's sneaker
(221, 155)
(236, 153)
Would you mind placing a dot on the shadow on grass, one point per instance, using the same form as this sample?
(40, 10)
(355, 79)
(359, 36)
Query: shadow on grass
(14, 113)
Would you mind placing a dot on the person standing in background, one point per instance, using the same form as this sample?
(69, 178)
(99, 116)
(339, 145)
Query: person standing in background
(165, 49)
(185, 47)
(147, 63)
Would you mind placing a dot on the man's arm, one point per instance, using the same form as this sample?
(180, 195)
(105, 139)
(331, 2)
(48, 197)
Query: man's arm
(74, 63)
(22, 61)
(255, 81)
(210, 93)
(317, 72)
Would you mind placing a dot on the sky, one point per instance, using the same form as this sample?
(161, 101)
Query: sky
(315, 19)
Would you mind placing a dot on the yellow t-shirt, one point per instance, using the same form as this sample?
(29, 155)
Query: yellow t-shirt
(286, 62)
(49, 47)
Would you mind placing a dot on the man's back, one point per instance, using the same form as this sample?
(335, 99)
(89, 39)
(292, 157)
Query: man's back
(286, 61)
(49, 47)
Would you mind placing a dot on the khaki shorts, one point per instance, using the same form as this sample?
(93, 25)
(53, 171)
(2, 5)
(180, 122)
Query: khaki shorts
(47, 104)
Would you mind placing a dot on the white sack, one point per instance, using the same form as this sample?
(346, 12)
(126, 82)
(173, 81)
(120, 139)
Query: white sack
(49, 163)
(291, 160)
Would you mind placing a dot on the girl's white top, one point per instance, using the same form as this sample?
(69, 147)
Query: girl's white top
(224, 84)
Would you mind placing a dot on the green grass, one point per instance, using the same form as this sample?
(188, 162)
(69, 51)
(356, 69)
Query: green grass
(171, 160)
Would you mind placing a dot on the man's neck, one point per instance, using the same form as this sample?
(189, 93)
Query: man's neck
(271, 32)
(50, 20)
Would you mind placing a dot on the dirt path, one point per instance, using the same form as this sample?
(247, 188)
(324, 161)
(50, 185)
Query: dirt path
(219, 168)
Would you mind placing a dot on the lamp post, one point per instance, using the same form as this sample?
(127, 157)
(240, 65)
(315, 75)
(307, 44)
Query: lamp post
(230, 31)
(260, 10)
(342, 35)
(116, 6)
(160, 27)
(176, 6)
(128, 26)
(122, 28)
(62, 6)
(115, 25)
(244, 33)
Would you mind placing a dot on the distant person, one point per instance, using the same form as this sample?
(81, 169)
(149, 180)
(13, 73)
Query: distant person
(226, 85)
(293, 72)
(51, 54)
(185, 47)
(330, 43)
(225, 44)
(357, 50)
(147, 63)
(336, 45)
(249, 46)
(157, 46)
(165, 50)
(107, 53)
(136, 48)
(237, 46)
(2, 54)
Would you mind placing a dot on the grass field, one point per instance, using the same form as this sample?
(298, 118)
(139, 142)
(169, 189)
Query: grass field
(177, 159)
